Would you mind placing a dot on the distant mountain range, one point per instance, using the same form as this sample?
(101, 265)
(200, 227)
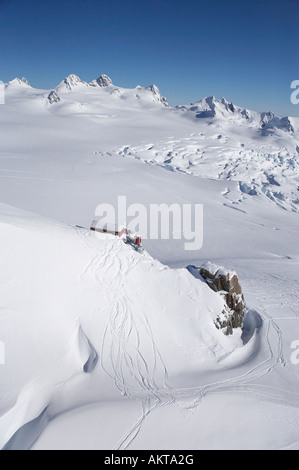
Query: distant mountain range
(73, 83)
(211, 108)
(206, 108)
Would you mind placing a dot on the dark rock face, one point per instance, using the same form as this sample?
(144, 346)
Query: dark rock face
(72, 81)
(104, 81)
(53, 97)
(245, 114)
(25, 81)
(227, 284)
(269, 122)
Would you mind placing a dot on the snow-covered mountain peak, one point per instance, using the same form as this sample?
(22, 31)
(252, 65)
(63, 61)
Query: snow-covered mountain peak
(227, 105)
(102, 81)
(210, 100)
(270, 121)
(70, 82)
(73, 81)
(227, 112)
(211, 107)
(157, 95)
(267, 117)
(154, 89)
(19, 81)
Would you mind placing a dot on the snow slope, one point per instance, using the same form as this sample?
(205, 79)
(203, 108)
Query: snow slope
(93, 328)
(91, 310)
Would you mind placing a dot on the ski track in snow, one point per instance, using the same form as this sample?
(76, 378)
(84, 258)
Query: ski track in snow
(122, 338)
(127, 365)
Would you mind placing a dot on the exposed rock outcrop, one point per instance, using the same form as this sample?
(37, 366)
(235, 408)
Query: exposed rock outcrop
(53, 97)
(25, 81)
(227, 284)
(103, 81)
(19, 81)
(157, 95)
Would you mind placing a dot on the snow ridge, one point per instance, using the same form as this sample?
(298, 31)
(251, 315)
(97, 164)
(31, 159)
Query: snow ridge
(18, 81)
(211, 108)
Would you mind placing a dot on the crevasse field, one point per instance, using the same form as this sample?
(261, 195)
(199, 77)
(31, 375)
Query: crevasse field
(105, 347)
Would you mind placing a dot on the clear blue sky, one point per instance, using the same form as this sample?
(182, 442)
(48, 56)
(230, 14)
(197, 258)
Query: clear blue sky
(245, 50)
